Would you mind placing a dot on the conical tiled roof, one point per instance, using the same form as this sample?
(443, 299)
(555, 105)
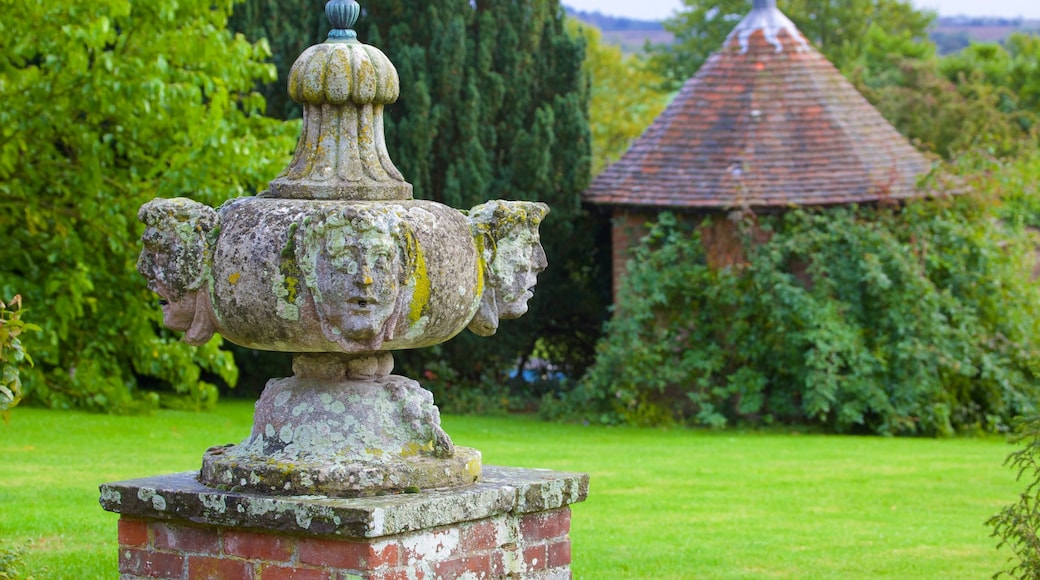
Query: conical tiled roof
(766, 122)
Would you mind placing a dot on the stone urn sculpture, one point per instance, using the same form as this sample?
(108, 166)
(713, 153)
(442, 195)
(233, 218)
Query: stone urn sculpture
(336, 263)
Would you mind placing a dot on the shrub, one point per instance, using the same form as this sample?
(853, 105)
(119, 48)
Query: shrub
(914, 320)
(12, 354)
(11, 561)
(1017, 524)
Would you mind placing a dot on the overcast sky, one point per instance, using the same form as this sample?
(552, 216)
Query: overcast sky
(660, 9)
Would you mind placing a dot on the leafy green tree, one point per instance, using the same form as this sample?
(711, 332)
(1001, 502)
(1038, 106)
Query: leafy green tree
(1010, 68)
(108, 104)
(835, 27)
(949, 105)
(625, 97)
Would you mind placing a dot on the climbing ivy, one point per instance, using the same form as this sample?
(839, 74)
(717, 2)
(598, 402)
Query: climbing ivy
(913, 320)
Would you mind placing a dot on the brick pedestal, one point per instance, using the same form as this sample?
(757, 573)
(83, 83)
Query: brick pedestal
(514, 524)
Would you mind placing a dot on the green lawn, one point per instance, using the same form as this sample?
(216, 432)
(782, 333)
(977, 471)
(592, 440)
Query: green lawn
(662, 504)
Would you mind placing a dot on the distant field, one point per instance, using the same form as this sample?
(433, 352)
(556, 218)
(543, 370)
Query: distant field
(662, 504)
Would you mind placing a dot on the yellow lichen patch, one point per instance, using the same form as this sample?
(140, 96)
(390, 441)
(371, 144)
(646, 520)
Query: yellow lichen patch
(421, 283)
(473, 467)
(374, 452)
(291, 284)
(412, 448)
(234, 278)
(481, 264)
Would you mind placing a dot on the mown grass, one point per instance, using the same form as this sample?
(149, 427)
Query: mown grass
(663, 504)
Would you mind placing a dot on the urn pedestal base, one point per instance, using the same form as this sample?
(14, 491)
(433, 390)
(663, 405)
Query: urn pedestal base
(515, 523)
(342, 426)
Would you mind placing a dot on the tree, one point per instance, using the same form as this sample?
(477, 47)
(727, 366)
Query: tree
(1009, 68)
(289, 27)
(108, 104)
(835, 27)
(625, 97)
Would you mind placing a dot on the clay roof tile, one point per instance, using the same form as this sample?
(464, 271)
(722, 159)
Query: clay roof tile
(768, 121)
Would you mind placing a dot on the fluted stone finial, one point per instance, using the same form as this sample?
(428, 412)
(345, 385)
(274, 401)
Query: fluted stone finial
(343, 86)
(342, 14)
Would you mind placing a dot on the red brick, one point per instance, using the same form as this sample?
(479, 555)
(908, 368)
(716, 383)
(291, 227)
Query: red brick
(504, 560)
(559, 554)
(479, 537)
(536, 557)
(150, 563)
(545, 525)
(293, 573)
(258, 546)
(133, 532)
(345, 554)
(480, 566)
(183, 538)
(209, 568)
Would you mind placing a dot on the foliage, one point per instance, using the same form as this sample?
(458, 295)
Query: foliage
(289, 27)
(978, 99)
(913, 321)
(1010, 68)
(11, 561)
(624, 100)
(12, 353)
(107, 104)
(835, 27)
(1017, 525)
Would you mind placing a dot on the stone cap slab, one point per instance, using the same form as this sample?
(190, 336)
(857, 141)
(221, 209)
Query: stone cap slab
(179, 496)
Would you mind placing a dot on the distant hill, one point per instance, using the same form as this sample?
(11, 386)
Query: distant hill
(950, 33)
(627, 33)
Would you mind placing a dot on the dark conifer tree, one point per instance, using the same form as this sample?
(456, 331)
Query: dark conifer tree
(290, 26)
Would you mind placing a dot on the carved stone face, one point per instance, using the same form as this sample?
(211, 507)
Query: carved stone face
(173, 255)
(518, 261)
(358, 277)
(513, 255)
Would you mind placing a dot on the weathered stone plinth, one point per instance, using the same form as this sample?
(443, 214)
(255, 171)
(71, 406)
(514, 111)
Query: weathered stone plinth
(515, 523)
(342, 426)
